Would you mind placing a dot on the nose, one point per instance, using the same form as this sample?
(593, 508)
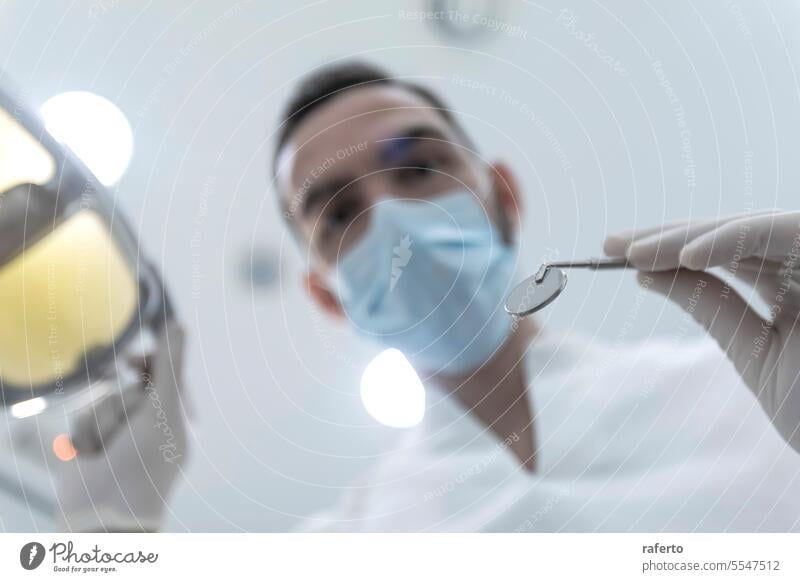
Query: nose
(376, 187)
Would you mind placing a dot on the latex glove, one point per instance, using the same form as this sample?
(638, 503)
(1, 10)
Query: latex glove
(763, 250)
(130, 445)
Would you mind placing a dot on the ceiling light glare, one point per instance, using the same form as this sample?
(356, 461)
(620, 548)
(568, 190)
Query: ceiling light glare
(94, 129)
(391, 391)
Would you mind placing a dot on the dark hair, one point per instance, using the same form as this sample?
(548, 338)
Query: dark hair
(332, 80)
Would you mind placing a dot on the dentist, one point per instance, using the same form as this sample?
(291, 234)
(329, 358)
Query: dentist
(410, 238)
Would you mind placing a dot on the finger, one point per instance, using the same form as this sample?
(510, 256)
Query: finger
(616, 245)
(773, 283)
(764, 284)
(757, 272)
(664, 252)
(166, 365)
(766, 267)
(780, 291)
(96, 427)
(161, 424)
(86, 428)
(157, 357)
(661, 251)
(735, 326)
(771, 235)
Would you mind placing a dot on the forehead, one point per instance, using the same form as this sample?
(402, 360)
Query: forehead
(356, 117)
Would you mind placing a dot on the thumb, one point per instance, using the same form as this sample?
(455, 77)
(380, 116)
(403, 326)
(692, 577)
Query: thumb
(724, 314)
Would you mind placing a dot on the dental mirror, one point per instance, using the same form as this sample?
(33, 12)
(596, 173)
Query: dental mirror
(538, 291)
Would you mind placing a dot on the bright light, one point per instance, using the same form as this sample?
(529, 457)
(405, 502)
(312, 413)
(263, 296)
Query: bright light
(94, 128)
(28, 408)
(391, 390)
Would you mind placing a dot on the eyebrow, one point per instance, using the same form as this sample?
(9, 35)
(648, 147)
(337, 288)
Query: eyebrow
(393, 148)
(396, 147)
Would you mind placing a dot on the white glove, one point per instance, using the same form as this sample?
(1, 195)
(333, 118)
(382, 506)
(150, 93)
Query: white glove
(763, 250)
(130, 445)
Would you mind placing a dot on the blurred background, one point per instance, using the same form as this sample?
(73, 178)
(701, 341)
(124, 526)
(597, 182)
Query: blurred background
(614, 115)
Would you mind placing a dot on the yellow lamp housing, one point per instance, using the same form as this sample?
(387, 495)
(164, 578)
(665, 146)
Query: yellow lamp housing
(74, 289)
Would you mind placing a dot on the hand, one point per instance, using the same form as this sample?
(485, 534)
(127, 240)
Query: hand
(762, 250)
(130, 445)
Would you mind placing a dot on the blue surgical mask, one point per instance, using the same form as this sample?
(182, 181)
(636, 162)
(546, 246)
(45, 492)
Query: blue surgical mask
(428, 277)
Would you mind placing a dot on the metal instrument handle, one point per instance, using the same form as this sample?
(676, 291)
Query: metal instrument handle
(594, 263)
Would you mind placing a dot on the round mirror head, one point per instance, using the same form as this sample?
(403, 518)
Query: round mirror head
(536, 292)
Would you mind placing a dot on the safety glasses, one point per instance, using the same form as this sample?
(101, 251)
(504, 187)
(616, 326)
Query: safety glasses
(73, 288)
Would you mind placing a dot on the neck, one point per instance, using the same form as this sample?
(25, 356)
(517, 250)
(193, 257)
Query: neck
(496, 393)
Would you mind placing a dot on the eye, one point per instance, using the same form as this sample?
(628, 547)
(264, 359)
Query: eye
(421, 169)
(338, 216)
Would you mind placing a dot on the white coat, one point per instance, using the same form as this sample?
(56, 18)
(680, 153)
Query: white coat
(660, 436)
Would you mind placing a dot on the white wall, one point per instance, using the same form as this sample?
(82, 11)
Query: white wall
(279, 425)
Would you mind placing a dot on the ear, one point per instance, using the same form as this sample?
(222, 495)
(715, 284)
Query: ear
(509, 198)
(322, 295)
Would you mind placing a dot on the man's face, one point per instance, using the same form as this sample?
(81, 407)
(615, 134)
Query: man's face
(369, 144)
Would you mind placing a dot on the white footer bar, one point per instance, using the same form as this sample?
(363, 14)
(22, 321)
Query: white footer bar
(400, 557)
